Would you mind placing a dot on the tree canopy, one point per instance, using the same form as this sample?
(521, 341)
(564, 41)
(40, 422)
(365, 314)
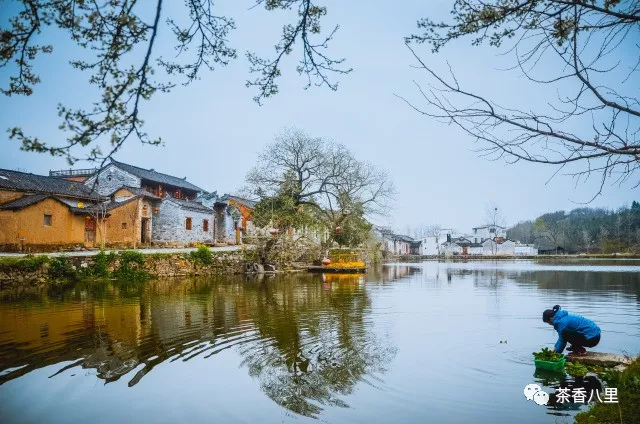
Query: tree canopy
(302, 181)
(121, 39)
(591, 46)
(584, 230)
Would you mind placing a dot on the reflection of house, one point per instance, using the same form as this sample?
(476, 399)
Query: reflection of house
(167, 210)
(42, 213)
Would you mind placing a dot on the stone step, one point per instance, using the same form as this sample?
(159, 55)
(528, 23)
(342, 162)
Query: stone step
(600, 358)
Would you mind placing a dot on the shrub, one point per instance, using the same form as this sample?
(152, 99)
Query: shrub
(101, 263)
(627, 410)
(130, 265)
(202, 256)
(28, 263)
(60, 268)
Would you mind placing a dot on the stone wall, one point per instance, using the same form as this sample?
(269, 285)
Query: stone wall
(12, 274)
(169, 225)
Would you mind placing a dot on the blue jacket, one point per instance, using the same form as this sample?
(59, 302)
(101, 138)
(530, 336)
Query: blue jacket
(563, 321)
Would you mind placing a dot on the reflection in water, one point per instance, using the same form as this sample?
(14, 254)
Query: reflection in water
(559, 380)
(312, 343)
(307, 341)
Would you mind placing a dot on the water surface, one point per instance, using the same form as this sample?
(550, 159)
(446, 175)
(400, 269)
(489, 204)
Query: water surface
(405, 343)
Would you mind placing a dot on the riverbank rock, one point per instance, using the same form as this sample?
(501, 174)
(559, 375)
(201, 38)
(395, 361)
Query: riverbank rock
(601, 358)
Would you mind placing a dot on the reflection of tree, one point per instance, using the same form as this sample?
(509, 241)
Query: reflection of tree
(320, 344)
(308, 342)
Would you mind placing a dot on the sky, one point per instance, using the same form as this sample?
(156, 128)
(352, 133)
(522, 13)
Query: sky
(213, 131)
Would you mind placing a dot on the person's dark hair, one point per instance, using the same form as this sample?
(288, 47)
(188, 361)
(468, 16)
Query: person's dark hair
(549, 313)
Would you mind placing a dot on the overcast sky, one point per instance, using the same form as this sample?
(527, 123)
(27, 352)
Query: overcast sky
(213, 131)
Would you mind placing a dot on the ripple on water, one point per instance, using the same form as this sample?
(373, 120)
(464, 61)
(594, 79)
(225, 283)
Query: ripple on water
(416, 343)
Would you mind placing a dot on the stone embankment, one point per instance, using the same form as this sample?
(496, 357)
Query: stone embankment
(42, 270)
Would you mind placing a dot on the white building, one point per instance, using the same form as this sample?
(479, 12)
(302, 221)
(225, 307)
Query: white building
(504, 248)
(525, 249)
(394, 244)
(480, 234)
(431, 244)
(449, 248)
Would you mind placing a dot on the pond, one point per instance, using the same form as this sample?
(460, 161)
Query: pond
(425, 342)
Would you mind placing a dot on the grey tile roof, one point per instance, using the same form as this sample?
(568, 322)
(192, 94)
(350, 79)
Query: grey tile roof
(487, 226)
(246, 202)
(400, 237)
(156, 177)
(190, 205)
(21, 181)
(23, 202)
(462, 242)
(136, 191)
(33, 199)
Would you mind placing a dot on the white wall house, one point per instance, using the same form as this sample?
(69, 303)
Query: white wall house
(476, 249)
(525, 249)
(480, 234)
(431, 244)
(449, 249)
(394, 244)
(490, 247)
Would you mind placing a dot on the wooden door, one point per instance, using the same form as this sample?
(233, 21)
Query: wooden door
(144, 228)
(90, 231)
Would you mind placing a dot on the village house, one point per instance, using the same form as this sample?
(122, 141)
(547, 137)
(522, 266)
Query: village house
(525, 249)
(39, 213)
(499, 247)
(431, 244)
(233, 219)
(484, 240)
(394, 244)
(485, 232)
(147, 206)
(449, 248)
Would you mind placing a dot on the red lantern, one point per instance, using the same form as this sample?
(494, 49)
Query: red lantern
(326, 261)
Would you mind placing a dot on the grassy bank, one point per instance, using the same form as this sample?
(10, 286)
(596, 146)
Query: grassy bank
(627, 410)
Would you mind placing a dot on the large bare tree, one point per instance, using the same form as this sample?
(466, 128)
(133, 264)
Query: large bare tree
(587, 50)
(322, 176)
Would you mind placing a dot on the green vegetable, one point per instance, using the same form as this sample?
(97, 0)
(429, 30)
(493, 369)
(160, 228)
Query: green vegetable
(547, 354)
(576, 369)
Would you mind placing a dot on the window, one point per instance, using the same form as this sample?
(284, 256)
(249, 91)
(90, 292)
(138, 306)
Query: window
(48, 220)
(124, 225)
(205, 225)
(187, 223)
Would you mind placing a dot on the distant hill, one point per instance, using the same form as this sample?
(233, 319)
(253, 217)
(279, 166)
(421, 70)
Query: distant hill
(584, 230)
